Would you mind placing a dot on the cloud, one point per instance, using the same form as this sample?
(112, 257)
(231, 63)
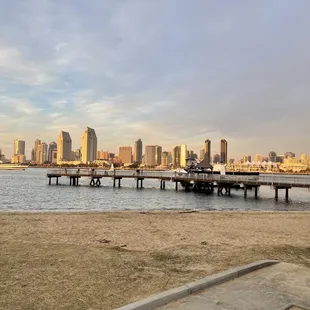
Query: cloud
(15, 69)
(169, 72)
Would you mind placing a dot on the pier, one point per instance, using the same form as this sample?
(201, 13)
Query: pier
(189, 181)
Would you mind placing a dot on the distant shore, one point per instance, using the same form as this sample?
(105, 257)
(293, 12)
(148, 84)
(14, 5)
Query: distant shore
(102, 260)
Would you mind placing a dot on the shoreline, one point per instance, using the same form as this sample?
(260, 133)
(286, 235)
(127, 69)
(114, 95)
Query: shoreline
(146, 211)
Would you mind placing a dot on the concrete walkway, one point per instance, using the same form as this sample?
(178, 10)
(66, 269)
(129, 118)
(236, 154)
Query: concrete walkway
(281, 286)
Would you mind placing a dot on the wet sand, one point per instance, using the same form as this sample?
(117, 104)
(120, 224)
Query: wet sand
(105, 260)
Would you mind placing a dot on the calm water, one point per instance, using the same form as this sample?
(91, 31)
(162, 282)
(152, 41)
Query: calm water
(29, 191)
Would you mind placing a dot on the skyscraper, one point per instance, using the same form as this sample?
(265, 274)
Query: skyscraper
(207, 149)
(89, 145)
(19, 147)
(43, 153)
(52, 146)
(176, 156)
(138, 151)
(64, 147)
(150, 156)
(159, 150)
(37, 149)
(183, 155)
(223, 151)
(125, 154)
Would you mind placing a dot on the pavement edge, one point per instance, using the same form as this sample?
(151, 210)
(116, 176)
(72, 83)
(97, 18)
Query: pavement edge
(161, 299)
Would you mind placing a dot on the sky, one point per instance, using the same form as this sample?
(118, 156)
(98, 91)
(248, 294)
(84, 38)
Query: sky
(167, 71)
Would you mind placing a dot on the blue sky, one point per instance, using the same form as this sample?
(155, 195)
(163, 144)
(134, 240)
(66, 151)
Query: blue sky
(165, 71)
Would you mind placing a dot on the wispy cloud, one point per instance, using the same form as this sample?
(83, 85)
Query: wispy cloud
(168, 72)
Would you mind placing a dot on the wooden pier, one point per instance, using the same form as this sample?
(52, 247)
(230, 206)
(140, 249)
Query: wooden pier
(189, 181)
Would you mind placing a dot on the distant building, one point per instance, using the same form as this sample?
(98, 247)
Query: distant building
(207, 151)
(247, 158)
(43, 153)
(289, 154)
(165, 159)
(54, 156)
(77, 155)
(89, 145)
(159, 150)
(216, 158)
(223, 151)
(176, 156)
(258, 158)
(305, 159)
(19, 147)
(202, 154)
(138, 151)
(272, 156)
(231, 161)
(64, 147)
(280, 158)
(51, 147)
(37, 150)
(18, 159)
(102, 155)
(183, 155)
(150, 155)
(33, 155)
(125, 154)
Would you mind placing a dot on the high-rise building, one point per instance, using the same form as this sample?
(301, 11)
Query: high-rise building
(207, 151)
(89, 145)
(138, 151)
(52, 146)
(223, 151)
(37, 150)
(64, 147)
(125, 154)
(216, 158)
(150, 155)
(176, 156)
(33, 155)
(159, 150)
(19, 147)
(272, 156)
(258, 158)
(165, 159)
(183, 155)
(43, 153)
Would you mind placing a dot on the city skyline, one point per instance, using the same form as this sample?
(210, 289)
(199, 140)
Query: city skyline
(41, 151)
(214, 73)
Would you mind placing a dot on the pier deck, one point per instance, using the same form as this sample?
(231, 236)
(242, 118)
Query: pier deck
(199, 182)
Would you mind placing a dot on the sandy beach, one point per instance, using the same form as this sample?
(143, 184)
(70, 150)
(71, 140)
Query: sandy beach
(105, 260)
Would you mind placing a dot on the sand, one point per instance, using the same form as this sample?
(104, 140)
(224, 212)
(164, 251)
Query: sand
(105, 260)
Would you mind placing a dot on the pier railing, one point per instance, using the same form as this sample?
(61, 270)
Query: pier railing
(179, 176)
